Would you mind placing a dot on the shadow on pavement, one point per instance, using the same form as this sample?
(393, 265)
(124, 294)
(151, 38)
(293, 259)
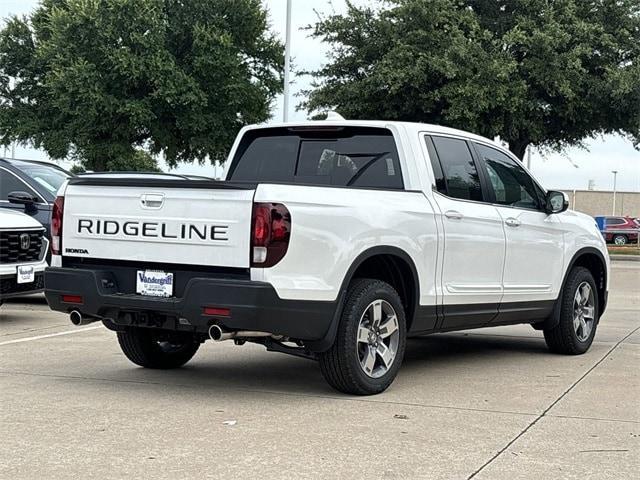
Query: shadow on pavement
(35, 299)
(439, 347)
(277, 372)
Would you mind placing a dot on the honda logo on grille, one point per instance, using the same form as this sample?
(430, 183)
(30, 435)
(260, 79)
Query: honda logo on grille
(25, 241)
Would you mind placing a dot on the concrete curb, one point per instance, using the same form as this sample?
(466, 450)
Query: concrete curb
(625, 258)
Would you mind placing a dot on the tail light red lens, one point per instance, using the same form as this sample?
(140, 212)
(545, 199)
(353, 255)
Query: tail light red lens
(56, 226)
(271, 230)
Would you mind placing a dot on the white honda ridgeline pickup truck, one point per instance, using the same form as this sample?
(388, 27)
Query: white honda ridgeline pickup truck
(330, 240)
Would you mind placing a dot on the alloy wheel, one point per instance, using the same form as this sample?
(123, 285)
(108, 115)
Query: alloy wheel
(583, 311)
(620, 240)
(378, 338)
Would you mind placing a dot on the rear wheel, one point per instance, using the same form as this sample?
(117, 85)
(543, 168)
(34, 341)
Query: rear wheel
(370, 342)
(151, 349)
(578, 315)
(620, 239)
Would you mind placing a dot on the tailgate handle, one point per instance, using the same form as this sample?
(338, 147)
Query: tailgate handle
(152, 200)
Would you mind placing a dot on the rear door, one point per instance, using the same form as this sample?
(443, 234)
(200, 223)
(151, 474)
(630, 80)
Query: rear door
(535, 242)
(474, 239)
(191, 222)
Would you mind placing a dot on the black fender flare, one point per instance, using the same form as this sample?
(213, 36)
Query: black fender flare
(325, 343)
(554, 318)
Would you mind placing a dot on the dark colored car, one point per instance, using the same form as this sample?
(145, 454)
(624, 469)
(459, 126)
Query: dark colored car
(621, 230)
(30, 186)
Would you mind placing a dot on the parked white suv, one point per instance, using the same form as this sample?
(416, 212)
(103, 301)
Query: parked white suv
(23, 247)
(328, 240)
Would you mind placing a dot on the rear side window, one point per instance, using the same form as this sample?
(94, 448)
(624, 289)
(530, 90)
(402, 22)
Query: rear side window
(615, 221)
(461, 179)
(343, 157)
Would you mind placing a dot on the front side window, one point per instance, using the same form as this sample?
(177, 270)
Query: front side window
(460, 174)
(10, 183)
(511, 184)
(346, 157)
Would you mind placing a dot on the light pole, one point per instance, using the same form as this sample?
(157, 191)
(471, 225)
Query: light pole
(287, 65)
(615, 174)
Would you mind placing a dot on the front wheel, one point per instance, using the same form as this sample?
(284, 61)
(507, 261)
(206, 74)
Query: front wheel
(620, 240)
(578, 315)
(369, 346)
(152, 349)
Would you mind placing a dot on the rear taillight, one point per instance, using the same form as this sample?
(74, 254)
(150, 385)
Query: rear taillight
(270, 232)
(56, 226)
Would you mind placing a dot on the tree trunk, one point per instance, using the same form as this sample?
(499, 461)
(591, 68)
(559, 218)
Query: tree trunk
(519, 147)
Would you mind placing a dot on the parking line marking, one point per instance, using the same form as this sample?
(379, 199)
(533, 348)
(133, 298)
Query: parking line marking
(40, 337)
(545, 412)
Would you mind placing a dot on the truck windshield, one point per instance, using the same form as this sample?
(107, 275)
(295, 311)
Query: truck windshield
(338, 156)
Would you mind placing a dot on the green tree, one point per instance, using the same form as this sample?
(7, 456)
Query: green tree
(140, 161)
(98, 80)
(548, 73)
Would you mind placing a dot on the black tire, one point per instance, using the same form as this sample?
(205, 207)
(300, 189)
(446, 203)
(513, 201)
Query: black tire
(340, 365)
(151, 349)
(620, 239)
(563, 338)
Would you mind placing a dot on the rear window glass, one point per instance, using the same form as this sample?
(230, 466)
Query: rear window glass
(344, 157)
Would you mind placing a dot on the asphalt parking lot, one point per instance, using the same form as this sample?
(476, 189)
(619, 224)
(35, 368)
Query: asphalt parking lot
(482, 404)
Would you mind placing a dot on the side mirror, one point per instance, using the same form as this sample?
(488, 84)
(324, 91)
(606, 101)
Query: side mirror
(22, 198)
(556, 202)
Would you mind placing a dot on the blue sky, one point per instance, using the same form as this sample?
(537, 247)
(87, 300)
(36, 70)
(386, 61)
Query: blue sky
(571, 170)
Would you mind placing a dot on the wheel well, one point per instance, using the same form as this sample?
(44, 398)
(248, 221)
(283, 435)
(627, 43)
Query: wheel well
(594, 264)
(396, 272)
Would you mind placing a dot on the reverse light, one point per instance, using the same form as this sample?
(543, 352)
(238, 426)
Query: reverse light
(271, 229)
(56, 226)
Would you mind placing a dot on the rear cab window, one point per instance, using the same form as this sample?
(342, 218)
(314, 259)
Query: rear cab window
(358, 157)
(455, 171)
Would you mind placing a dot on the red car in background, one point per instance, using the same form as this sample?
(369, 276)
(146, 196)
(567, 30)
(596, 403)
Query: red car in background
(621, 230)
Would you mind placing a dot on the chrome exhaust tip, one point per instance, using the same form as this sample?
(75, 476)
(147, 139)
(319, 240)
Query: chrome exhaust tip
(217, 334)
(78, 319)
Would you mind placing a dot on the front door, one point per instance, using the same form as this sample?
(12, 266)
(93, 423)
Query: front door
(534, 239)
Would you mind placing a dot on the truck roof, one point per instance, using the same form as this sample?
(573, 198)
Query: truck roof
(411, 126)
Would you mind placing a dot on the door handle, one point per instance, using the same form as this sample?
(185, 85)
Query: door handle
(453, 214)
(512, 222)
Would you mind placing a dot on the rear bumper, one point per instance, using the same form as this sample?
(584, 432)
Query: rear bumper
(252, 305)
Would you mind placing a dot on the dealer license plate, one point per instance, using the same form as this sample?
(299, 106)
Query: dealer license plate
(26, 274)
(154, 283)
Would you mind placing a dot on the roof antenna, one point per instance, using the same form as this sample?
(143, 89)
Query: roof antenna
(331, 115)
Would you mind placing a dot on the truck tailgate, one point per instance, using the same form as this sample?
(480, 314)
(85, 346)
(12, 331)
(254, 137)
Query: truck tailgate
(177, 221)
